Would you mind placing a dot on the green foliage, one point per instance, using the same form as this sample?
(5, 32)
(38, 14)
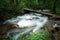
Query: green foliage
(58, 11)
(37, 36)
(15, 7)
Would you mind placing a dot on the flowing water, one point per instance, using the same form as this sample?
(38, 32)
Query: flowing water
(32, 22)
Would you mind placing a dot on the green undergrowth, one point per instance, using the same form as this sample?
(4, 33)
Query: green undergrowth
(37, 36)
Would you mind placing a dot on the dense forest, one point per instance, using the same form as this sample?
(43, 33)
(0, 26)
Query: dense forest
(11, 8)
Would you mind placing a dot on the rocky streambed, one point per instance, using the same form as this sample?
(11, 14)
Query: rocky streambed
(30, 22)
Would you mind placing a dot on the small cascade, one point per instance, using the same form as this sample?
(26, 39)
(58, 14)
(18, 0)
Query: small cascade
(27, 22)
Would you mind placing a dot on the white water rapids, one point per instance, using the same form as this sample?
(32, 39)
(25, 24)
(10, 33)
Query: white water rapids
(28, 20)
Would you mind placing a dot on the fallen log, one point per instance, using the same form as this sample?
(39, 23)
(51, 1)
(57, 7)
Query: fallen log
(26, 10)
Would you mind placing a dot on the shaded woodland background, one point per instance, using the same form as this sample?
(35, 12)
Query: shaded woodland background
(11, 8)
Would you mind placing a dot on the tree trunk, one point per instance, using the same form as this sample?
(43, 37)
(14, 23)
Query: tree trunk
(54, 7)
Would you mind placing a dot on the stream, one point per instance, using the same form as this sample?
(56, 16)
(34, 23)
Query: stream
(27, 23)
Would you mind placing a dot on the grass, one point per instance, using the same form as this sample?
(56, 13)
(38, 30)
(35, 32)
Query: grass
(36, 36)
